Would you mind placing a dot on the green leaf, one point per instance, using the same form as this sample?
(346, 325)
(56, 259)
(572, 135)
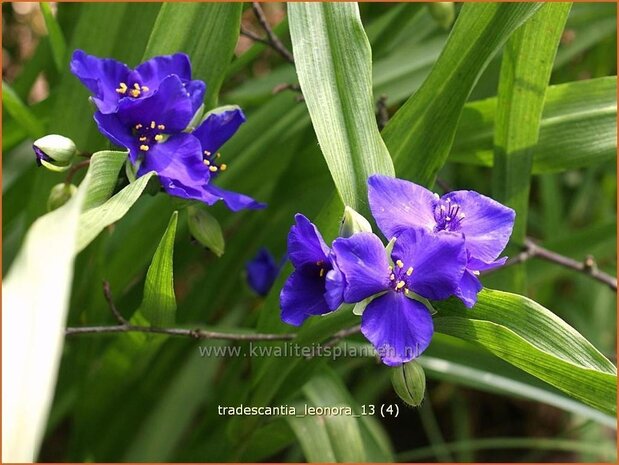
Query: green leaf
(20, 112)
(578, 128)
(420, 134)
(159, 302)
(94, 220)
(312, 436)
(527, 335)
(35, 299)
(525, 71)
(334, 65)
(207, 32)
(56, 39)
(206, 229)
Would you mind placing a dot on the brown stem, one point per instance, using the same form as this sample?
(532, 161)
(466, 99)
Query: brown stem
(74, 169)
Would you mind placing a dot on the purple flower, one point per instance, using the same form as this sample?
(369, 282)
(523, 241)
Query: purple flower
(399, 327)
(112, 82)
(151, 128)
(485, 223)
(315, 287)
(262, 270)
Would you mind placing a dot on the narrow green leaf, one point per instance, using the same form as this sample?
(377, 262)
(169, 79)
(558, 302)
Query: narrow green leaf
(93, 221)
(578, 128)
(334, 65)
(56, 39)
(159, 302)
(532, 338)
(104, 168)
(525, 71)
(20, 112)
(420, 134)
(207, 32)
(35, 299)
(312, 436)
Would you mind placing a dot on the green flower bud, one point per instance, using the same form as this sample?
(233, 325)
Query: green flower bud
(353, 222)
(59, 195)
(443, 13)
(409, 383)
(54, 152)
(205, 228)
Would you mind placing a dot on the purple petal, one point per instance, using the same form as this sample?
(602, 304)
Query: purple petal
(218, 127)
(302, 297)
(234, 201)
(305, 244)
(179, 166)
(487, 225)
(438, 261)
(101, 76)
(398, 205)
(468, 289)
(262, 272)
(115, 130)
(474, 264)
(155, 70)
(169, 105)
(334, 287)
(196, 90)
(364, 263)
(398, 327)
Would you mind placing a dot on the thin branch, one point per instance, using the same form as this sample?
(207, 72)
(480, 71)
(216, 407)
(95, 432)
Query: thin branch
(587, 267)
(273, 40)
(74, 169)
(107, 293)
(182, 332)
(253, 36)
(337, 337)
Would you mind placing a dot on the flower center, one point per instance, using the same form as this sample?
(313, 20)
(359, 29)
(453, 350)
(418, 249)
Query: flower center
(399, 276)
(447, 215)
(134, 91)
(210, 161)
(148, 134)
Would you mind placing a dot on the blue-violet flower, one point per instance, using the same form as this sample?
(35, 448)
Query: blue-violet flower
(399, 327)
(315, 287)
(111, 81)
(486, 224)
(262, 271)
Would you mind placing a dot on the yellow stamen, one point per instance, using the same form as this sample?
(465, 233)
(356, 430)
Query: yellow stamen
(145, 89)
(218, 155)
(138, 126)
(322, 272)
(207, 153)
(400, 264)
(207, 162)
(135, 92)
(161, 127)
(158, 137)
(223, 167)
(392, 277)
(144, 148)
(143, 138)
(136, 86)
(212, 168)
(390, 268)
(475, 272)
(409, 271)
(400, 285)
(122, 88)
(152, 125)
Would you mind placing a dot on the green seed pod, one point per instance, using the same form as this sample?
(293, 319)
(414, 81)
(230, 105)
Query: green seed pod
(443, 13)
(353, 222)
(55, 152)
(409, 383)
(59, 195)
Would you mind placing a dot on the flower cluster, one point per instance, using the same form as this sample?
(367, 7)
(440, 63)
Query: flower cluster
(438, 247)
(148, 110)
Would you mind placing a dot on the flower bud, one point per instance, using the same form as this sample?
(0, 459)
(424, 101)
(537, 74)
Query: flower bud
(54, 152)
(409, 383)
(353, 222)
(59, 195)
(205, 228)
(443, 13)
